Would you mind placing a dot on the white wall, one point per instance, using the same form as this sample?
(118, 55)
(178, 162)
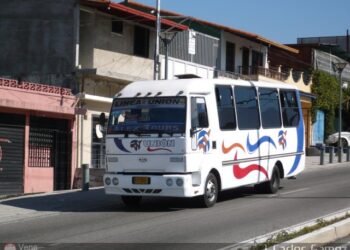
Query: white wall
(241, 42)
(179, 67)
(111, 53)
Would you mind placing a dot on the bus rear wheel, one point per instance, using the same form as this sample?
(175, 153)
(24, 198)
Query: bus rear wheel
(271, 186)
(211, 190)
(131, 201)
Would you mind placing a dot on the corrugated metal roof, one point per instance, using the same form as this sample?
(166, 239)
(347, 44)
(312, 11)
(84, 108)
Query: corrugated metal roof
(247, 35)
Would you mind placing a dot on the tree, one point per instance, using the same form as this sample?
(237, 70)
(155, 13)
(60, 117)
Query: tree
(326, 89)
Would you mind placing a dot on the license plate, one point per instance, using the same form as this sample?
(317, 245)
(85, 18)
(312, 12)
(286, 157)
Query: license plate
(141, 180)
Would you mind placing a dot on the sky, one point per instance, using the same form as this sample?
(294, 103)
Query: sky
(282, 21)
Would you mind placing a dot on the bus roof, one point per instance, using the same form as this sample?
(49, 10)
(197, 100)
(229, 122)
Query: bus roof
(183, 87)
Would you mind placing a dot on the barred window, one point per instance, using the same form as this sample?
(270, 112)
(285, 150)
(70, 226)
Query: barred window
(41, 143)
(98, 146)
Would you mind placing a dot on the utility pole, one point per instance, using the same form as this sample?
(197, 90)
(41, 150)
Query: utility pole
(156, 53)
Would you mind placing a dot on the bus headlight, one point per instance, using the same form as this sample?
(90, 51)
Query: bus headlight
(108, 181)
(169, 182)
(179, 182)
(115, 181)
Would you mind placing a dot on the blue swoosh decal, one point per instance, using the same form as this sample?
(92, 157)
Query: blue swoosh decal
(120, 145)
(300, 135)
(253, 147)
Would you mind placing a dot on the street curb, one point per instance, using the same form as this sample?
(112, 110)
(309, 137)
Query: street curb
(324, 235)
(336, 231)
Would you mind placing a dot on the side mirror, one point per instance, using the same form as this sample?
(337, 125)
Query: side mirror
(102, 119)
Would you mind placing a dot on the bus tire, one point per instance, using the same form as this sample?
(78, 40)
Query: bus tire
(271, 186)
(211, 191)
(131, 201)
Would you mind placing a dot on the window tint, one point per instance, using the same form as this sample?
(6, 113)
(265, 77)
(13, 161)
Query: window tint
(226, 109)
(290, 110)
(247, 108)
(269, 108)
(199, 117)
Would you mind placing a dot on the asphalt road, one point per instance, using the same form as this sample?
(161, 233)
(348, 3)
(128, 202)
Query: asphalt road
(92, 217)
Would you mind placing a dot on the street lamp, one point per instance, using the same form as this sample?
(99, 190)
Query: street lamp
(338, 67)
(166, 38)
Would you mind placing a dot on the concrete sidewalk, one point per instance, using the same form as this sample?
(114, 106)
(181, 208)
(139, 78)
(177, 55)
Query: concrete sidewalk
(313, 162)
(49, 204)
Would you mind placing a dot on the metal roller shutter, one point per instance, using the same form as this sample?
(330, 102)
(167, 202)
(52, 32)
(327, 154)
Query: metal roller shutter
(11, 153)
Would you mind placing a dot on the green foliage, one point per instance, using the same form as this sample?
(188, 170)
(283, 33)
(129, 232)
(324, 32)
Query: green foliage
(284, 236)
(326, 89)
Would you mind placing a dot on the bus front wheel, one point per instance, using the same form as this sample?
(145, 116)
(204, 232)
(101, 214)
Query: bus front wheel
(211, 190)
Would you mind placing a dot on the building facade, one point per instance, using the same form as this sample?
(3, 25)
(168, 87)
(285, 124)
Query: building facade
(82, 53)
(37, 121)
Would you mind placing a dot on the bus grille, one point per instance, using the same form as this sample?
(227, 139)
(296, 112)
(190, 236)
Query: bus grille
(142, 191)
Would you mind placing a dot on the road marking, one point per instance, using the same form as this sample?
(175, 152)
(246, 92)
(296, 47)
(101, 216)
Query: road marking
(289, 192)
(295, 191)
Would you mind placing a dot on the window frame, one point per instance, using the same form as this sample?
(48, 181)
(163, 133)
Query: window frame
(257, 106)
(145, 42)
(196, 109)
(297, 102)
(279, 108)
(233, 106)
(230, 64)
(101, 141)
(113, 20)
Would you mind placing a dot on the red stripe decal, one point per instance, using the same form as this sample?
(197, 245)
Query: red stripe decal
(240, 173)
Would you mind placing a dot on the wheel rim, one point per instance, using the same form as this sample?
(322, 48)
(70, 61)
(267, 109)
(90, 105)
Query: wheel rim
(211, 190)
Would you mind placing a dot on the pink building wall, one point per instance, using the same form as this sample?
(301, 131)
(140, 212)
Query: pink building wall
(32, 99)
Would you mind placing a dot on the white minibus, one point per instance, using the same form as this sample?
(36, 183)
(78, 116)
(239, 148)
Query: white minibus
(196, 137)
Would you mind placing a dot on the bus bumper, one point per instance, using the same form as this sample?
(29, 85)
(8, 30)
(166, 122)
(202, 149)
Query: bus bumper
(169, 185)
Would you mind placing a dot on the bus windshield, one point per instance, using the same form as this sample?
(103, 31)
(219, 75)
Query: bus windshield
(147, 115)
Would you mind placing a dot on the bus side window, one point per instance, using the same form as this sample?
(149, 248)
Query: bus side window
(199, 117)
(290, 110)
(226, 108)
(247, 107)
(269, 108)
